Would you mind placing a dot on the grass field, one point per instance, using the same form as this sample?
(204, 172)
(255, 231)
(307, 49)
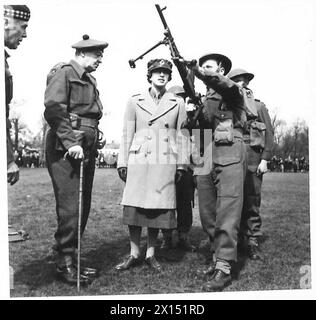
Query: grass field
(285, 246)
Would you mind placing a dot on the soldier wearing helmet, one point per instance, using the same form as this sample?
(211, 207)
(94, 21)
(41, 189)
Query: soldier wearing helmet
(220, 180)
(258, 138)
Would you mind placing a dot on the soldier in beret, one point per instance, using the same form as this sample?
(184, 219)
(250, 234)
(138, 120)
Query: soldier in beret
(16, 19)
(220, 180)
(258, 138)
(150, 162)
(73, 110)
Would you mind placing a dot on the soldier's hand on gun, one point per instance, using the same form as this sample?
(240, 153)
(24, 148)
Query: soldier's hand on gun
(262, 168)
(189, 106)
(75, 152)
(122, 172)
(12, 173)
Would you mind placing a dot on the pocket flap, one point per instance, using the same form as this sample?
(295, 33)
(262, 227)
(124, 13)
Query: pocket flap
(134, 148)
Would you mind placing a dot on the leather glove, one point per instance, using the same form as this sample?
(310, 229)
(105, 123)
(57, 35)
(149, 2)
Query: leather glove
(122, 172)
(179, 175)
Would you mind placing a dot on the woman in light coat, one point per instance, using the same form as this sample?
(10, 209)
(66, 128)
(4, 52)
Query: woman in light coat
(152, 157)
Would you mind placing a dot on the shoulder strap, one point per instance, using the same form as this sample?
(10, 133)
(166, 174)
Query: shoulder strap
(54, 69)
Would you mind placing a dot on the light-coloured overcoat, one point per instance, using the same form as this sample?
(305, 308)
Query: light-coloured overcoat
(152, 148)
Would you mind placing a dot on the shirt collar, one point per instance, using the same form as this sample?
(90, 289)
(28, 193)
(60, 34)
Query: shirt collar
(155, 94)
(78, 68)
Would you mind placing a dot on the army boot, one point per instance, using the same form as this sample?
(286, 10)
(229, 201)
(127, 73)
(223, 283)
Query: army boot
(212, 264)
(253, 249)
(66, 271)
(221, 277)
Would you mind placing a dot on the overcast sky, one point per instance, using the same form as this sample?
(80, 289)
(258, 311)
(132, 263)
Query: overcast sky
(272, 39)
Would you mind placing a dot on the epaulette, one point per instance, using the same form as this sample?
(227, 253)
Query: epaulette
(54, 69)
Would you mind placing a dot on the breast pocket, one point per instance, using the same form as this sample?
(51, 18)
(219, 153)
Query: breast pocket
(80, 92)
(135, 148)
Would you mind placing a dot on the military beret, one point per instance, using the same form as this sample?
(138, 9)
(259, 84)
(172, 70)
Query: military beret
(240, 72)
(21, 12)
(159, 64)
(87, 43)
(220, 58)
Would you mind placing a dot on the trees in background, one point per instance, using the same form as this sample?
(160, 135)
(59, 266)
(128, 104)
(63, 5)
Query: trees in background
(290, 141)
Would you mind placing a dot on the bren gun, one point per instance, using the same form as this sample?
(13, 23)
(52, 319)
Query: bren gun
(186, 74)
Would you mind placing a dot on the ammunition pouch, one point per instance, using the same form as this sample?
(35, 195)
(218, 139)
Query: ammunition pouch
(257, 134)
(224, 132)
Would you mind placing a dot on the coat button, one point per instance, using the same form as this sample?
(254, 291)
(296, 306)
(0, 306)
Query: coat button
(149, 137)
(222, 115)
(150, 123)
(148, 152)
(165, 139)
(166, 125)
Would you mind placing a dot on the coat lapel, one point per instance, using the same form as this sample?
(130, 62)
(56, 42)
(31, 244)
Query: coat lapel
(167, 103)
(147, 103)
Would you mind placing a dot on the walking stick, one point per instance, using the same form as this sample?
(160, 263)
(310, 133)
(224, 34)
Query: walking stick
(79, 219)
(79, 224)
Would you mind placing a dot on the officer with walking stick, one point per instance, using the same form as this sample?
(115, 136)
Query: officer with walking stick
(73, 109)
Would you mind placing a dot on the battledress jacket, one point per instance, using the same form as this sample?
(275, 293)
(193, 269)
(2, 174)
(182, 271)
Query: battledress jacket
(263, 116)
(71, 90)
(254, 155)
(151, 150)
(222, 94)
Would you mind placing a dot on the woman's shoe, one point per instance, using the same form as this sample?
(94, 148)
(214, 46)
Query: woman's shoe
(153, 263)
(127, 263)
